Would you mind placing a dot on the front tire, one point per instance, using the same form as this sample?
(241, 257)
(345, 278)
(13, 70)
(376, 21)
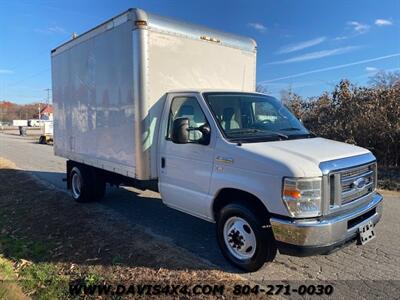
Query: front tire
(242, 238)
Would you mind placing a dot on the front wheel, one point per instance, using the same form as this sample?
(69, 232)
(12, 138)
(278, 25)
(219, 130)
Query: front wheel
(242, 238)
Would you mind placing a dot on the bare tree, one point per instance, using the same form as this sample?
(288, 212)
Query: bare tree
(384, 79)
(262, 89)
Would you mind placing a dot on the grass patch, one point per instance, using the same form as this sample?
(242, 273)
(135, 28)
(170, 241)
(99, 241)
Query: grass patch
(6, 270)
(8, 287)
(19, 248)
(43, 281)
(93, 278)
(40, 280)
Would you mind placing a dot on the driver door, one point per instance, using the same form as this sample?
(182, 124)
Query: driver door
(185, 169)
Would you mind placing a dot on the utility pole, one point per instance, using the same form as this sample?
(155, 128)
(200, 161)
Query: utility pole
(48, 96)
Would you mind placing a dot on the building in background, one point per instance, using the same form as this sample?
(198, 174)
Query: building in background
(46, 113)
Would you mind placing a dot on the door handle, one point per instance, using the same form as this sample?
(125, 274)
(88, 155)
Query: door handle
(162, 162)
(225, 160)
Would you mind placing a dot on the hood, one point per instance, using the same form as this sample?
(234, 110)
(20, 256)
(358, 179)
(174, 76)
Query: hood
(299, 158)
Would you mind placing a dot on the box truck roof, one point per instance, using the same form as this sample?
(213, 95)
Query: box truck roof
(139, 19)
(201, 91)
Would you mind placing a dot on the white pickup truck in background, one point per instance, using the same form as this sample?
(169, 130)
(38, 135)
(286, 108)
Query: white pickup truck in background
(161, 104)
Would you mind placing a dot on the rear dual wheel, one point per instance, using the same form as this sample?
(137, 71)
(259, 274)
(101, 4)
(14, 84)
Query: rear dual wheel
(86, 184)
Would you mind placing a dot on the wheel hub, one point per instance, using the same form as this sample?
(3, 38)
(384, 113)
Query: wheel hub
(76, 185)
(239, 238)
(236, 239)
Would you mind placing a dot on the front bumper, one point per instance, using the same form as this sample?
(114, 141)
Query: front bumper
(318, 236)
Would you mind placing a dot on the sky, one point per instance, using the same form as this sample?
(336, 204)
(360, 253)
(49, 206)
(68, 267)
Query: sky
(307, 46)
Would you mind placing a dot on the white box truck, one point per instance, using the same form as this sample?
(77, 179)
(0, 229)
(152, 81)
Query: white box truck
(34, 123)
(20, 123)
(161, 104)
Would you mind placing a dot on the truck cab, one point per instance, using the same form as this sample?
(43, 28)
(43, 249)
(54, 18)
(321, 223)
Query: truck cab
(244, 161)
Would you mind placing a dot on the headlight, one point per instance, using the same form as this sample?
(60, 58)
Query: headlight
(302, 196)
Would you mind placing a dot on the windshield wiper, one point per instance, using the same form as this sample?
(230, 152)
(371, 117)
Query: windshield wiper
(290, 129)
(254, 130)
(281, 135)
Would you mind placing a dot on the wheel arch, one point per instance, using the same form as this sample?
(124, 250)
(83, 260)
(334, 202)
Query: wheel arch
(232, 195)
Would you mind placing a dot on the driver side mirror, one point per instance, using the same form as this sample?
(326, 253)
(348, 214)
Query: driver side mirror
(180, 131)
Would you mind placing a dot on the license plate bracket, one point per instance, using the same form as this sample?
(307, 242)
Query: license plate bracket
(366, 233)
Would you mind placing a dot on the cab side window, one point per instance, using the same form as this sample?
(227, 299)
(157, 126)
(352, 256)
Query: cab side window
(187, 107)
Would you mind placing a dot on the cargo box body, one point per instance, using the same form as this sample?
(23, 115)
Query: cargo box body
(110, 82)
(20, 123)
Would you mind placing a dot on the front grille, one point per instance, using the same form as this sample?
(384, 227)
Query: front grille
(351, 184)
(348, 175)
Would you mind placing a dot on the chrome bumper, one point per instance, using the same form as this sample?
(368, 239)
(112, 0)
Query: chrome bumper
(326, 232)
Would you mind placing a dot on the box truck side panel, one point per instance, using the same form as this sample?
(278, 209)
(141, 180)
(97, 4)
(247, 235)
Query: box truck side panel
(20, 122)
(177, 62)
(93, 99)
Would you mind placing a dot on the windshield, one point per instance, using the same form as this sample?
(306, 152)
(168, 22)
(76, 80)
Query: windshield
(252, 117)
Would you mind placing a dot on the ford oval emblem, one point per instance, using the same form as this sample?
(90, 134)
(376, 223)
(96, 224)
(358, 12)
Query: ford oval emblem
(359, 183)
